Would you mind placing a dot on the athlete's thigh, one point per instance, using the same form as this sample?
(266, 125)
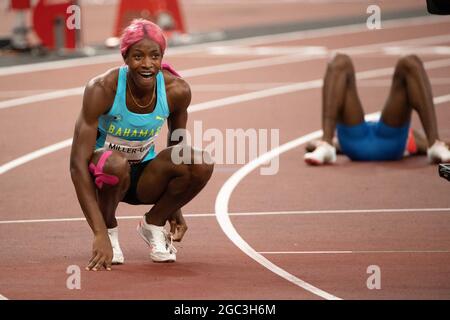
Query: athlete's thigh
(352, 113)
(397, 111)
(156, 176)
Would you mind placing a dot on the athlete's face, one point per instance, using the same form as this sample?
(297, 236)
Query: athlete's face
(144, 62)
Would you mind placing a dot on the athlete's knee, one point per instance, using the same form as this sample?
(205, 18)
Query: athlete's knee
(409, 64)
(202, 166)
(114, 163)
(196, 163)
(340, 62)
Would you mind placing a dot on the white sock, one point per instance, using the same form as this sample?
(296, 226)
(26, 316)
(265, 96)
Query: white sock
(114, 235)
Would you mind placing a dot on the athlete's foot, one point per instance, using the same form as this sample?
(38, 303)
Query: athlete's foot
(312, 145)
(324, 153)
(438, 152)
(162, 248)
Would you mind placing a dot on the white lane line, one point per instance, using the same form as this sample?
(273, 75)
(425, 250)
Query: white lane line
(434, 64)
(290, 36)
(58, 94)
(422, 51)
(313, 84)
(295, 58)
(266, 51)
(223, 218)
(34, 155)
(353, 252)
(251, 214)
(18, 92)
(223, 198)
(232, 100)
(361, 211)
(235, 66)
(257, 95)
(60, 64)
(441, 99)
(227, 87)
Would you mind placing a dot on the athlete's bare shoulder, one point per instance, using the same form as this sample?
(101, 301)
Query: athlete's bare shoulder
(100, 91)
(178, 92)
(106, 81)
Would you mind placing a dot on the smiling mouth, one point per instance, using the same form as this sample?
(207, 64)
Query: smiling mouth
(146, 75)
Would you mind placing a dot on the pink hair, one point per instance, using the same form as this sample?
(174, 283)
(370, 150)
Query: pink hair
(138, 30)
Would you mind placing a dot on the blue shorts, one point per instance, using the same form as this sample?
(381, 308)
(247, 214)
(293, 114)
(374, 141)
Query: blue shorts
(372, 141)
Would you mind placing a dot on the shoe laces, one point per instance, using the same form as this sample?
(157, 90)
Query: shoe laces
(162, 241)
(169, 242)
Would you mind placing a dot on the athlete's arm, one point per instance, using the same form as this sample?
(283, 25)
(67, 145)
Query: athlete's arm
(98, 97)
(178, 98)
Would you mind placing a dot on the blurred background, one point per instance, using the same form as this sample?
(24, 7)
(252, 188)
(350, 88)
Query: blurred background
(201, 20)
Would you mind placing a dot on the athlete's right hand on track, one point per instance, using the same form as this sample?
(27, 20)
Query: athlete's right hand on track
(102, 253)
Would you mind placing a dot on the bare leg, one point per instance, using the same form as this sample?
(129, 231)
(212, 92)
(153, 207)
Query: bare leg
(170, 186)
(411, 90)
(421, 143)
(109, 196)
(340, 101)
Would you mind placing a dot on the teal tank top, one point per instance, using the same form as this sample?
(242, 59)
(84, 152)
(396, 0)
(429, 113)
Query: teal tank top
(130, 133)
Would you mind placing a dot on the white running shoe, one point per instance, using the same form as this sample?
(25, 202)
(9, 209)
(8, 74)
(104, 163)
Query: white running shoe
(438, 152)
(160, 242)
(117, 251)
(324, 153)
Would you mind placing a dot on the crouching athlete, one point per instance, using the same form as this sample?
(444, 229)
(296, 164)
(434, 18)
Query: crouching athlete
(113, 157)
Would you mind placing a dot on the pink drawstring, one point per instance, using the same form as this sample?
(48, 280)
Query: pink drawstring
(100, 176)
(170, 69)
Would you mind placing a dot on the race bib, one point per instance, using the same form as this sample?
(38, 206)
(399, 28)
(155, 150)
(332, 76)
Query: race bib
(134, 151)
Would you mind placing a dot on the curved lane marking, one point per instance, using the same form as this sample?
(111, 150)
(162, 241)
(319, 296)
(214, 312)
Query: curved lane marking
(223, 217)
(223, 198)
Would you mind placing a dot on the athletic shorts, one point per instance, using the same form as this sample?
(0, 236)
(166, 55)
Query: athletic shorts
(372, 141)
(135, 173)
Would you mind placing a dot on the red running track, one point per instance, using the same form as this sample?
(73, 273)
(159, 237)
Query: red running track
(324, 226)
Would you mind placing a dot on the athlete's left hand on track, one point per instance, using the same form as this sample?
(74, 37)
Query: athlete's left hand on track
(178, 228)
